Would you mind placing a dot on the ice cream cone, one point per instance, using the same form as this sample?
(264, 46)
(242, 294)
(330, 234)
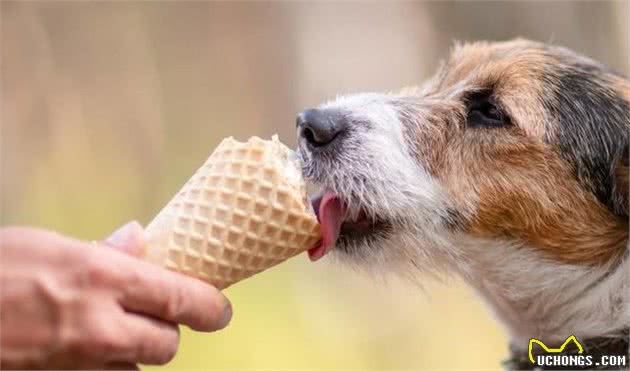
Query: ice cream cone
(245, 210)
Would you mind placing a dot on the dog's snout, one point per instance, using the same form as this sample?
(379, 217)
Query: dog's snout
(319, 127)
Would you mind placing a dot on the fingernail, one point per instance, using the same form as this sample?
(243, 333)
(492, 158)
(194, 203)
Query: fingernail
(125, 236)
(226, 316)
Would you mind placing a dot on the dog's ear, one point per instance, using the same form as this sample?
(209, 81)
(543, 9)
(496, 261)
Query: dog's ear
(620, 176)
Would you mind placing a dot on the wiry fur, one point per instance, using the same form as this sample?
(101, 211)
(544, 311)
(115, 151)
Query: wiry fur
(405, 194)
(533, 216)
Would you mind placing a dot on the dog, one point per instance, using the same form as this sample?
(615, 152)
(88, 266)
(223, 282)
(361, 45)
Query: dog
(509, 167)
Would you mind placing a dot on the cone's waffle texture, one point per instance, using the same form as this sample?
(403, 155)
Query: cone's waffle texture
(243, 211)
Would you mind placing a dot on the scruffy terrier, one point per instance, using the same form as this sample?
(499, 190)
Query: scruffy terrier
(510, 168)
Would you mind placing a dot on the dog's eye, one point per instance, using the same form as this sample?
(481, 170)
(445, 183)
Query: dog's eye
(483, 112)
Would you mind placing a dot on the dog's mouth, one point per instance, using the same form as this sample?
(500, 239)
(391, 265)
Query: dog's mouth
(338, 227)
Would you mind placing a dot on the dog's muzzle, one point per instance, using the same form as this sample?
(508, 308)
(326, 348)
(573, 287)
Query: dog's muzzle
(320, 127)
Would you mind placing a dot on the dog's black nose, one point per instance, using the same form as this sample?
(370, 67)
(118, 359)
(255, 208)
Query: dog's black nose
(320, 127)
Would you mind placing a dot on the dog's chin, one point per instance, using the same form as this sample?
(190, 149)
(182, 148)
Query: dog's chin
(362, 234)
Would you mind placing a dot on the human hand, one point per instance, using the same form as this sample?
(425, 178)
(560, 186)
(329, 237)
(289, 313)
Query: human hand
(68, 304)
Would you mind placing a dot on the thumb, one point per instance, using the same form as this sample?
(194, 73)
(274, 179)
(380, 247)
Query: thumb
(129, 238)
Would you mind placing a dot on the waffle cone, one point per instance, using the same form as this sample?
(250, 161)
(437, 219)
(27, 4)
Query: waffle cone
(245, 210)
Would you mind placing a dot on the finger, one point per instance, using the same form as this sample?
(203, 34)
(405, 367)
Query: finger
(121, 366)
(153, 290)
(173, 297)
(46, 247)
(129, 238)
(150, 341)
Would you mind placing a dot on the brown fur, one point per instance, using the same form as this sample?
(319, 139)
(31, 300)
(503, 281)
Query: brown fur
(526, 192)
(522, 187)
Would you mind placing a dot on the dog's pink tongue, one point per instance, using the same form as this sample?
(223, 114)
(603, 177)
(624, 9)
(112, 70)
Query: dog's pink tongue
(330, 214)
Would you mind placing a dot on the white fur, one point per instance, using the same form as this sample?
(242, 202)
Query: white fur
(538, 297)
(394, 182)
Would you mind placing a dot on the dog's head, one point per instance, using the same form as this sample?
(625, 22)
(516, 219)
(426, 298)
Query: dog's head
(516, 141)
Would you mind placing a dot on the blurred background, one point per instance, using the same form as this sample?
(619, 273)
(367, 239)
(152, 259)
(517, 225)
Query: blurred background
(108, 107)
